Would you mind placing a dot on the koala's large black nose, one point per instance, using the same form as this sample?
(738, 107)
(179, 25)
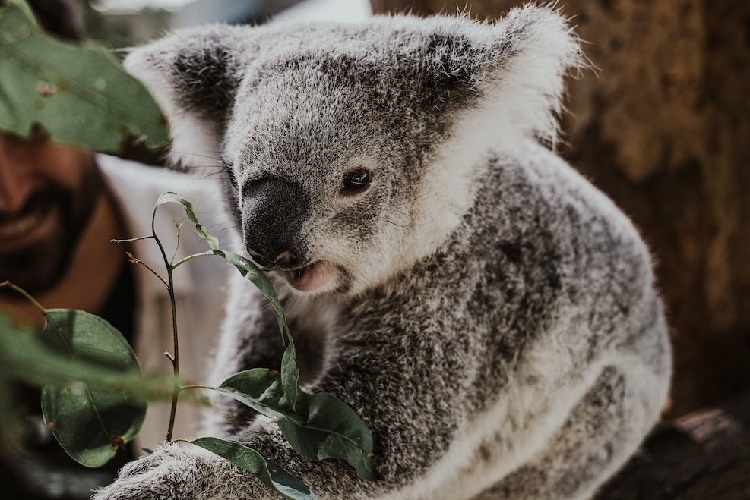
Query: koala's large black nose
(272, 215)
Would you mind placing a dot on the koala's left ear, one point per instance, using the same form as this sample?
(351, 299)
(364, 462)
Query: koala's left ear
(193, 74)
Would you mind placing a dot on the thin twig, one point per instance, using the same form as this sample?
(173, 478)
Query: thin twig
(134, 260)
(131, 240)
(176, 356)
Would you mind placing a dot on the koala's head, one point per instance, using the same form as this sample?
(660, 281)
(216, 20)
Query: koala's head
(349, 151)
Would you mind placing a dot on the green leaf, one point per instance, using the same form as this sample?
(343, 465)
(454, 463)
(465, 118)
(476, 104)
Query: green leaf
(10, 420)
(267, 471)
(260, 389)
(200, 230)
(331, 429)
(243, 265)
(90, 422)
(79, 94)
(320, 427)
(290, 376)
(289, 370)
(250, 271)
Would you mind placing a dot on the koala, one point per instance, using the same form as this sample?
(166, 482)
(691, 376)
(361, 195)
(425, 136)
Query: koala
(490, 315)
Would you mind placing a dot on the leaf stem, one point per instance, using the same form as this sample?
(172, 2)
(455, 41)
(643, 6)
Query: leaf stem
(193, 256)
(177, 244)
(195, 386)
(131, 240)
(26, 295)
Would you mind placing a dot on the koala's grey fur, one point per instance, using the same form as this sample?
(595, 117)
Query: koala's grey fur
(491, 315)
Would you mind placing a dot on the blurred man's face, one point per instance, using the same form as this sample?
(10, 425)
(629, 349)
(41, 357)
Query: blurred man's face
(47, 194)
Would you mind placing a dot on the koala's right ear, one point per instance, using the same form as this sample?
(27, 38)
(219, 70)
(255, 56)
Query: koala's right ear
(193, 75)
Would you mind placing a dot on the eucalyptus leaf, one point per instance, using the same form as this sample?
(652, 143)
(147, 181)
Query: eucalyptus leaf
(267, 470)
(90, 422)
(259, 389)
(10, 421)
(289, 370)
(170, 197)
(331, 429)
(321, 427)
(290, 377)
(79, 94)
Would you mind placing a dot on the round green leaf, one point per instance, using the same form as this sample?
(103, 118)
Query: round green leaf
(90, 423)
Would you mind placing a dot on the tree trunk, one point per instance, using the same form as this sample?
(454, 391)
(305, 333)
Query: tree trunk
(701, 456)
(663, 127)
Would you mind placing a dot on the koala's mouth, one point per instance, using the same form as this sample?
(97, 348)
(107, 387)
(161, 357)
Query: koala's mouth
(317, 276)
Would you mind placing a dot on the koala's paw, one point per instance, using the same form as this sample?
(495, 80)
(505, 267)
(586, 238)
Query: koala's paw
(172, 471)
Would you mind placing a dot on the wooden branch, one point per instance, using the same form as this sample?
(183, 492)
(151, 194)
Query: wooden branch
(703, 455)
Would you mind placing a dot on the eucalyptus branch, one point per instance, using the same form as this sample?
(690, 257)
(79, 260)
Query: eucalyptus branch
(134, 260)
(175, 358)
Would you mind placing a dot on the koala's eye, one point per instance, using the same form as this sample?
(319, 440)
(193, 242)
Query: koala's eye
(355, 182)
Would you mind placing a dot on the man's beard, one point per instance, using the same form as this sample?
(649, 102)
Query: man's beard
(41, 265)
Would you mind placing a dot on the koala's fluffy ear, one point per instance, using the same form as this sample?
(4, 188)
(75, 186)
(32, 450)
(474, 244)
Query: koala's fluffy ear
(532, 51)
(193, 75)
(511, 72)
(515, 66)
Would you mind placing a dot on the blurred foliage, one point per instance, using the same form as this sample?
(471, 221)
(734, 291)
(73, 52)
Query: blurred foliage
(80, 94)
(123, 30)
(33, 356)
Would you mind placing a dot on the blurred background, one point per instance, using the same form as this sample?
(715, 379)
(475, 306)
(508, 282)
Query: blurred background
(123, 23)
(662, 126)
